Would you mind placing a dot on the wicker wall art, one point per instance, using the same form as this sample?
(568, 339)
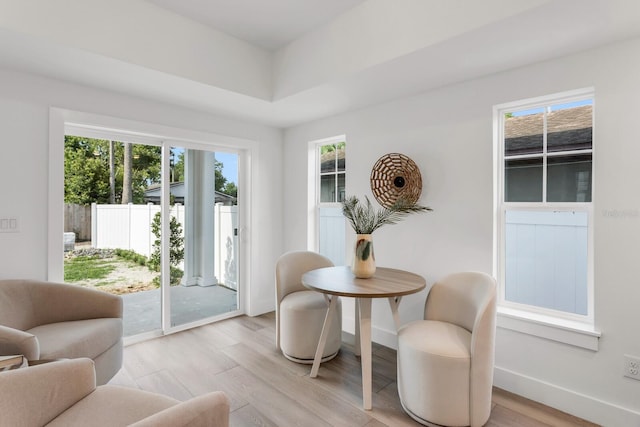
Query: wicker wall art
(395, 176)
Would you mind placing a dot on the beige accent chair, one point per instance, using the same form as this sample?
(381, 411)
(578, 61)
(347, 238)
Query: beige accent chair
(44, 320)
(300, 312)
(445, 362)
(64, 393)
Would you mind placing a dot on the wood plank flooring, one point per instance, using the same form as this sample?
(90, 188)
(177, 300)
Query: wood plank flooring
(239, 357)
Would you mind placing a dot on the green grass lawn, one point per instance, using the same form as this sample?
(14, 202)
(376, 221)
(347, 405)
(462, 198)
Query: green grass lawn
(82, 268)
(115, 271)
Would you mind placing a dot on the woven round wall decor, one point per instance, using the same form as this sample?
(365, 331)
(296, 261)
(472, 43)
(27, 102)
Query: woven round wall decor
(395, 176)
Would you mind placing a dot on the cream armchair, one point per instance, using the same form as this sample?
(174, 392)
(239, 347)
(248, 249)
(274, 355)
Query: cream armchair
(43, 320)
(64, 393)
(445, 362)
(300, 312)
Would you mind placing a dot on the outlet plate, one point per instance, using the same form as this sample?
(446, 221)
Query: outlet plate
(632, 367)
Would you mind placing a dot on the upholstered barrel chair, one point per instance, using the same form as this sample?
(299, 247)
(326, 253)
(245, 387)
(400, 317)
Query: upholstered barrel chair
(64, 393)
(300, 312)
(44, 320)
(445, 362)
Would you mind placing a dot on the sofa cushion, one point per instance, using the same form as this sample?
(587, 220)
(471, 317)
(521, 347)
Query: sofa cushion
(35, 395)
(208, 410)
(77, 338)
(25, 304)
(113, 406)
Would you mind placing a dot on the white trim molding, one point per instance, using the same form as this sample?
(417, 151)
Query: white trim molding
(552, 328)
(569, 401)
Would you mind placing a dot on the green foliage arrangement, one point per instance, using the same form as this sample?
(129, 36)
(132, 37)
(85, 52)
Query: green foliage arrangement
(365, 219)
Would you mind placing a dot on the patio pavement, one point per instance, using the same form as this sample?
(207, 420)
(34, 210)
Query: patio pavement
(188, 304)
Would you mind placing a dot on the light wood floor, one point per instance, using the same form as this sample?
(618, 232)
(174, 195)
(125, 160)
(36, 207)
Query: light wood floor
(239, 357)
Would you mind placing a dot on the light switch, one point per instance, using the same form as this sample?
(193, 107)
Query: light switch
(9, 225)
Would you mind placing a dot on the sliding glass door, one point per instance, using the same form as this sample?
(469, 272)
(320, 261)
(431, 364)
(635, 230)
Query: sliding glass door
(203, 225)
(156, 223)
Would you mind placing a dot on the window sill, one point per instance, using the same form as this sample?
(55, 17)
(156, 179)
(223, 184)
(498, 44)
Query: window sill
(551, 328)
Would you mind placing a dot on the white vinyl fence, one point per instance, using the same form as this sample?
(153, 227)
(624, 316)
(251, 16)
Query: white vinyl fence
(129, 227)
(546, 259)
(332, 234)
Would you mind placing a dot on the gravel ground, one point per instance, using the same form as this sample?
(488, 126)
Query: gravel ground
(127, 277)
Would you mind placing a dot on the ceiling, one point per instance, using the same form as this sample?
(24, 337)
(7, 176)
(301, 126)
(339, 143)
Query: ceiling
(270, 24)
(286, 62)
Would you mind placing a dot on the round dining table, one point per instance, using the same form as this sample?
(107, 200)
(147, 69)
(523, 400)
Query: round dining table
(387, 283)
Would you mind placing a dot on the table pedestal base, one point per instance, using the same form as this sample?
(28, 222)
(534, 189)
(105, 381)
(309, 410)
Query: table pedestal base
(340, 282)
(362, 345)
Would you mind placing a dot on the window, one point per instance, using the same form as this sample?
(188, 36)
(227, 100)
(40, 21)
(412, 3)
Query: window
(544, 171)
(332, 172)
(329, 186)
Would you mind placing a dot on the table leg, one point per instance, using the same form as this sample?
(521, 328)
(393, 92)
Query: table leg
(323, 337)
(356, 344)
(394, 302)
(365, 348)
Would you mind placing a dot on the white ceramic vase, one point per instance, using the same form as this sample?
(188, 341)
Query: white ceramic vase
(364, 261)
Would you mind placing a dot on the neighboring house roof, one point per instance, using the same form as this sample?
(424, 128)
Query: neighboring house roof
(327, 161)
(567, 129)
(177, 189)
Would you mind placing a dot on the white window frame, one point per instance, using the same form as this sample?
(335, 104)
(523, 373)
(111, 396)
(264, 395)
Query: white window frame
(571, 328)
(319, 174)
(314, 189)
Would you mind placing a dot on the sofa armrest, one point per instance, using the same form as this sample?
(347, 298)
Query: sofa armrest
(211, 409)
(15, 341)
(37, 394)
(59, 302)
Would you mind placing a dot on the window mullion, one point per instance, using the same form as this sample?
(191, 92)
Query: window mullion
(335, 180)
(544, 155)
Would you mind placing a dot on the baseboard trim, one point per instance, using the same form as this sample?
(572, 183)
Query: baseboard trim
(378, 336)
(258, 308)
(569, 401)
(580, 405)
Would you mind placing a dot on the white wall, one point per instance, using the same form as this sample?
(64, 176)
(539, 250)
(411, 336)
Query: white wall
(448, 133)
(25, 102)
